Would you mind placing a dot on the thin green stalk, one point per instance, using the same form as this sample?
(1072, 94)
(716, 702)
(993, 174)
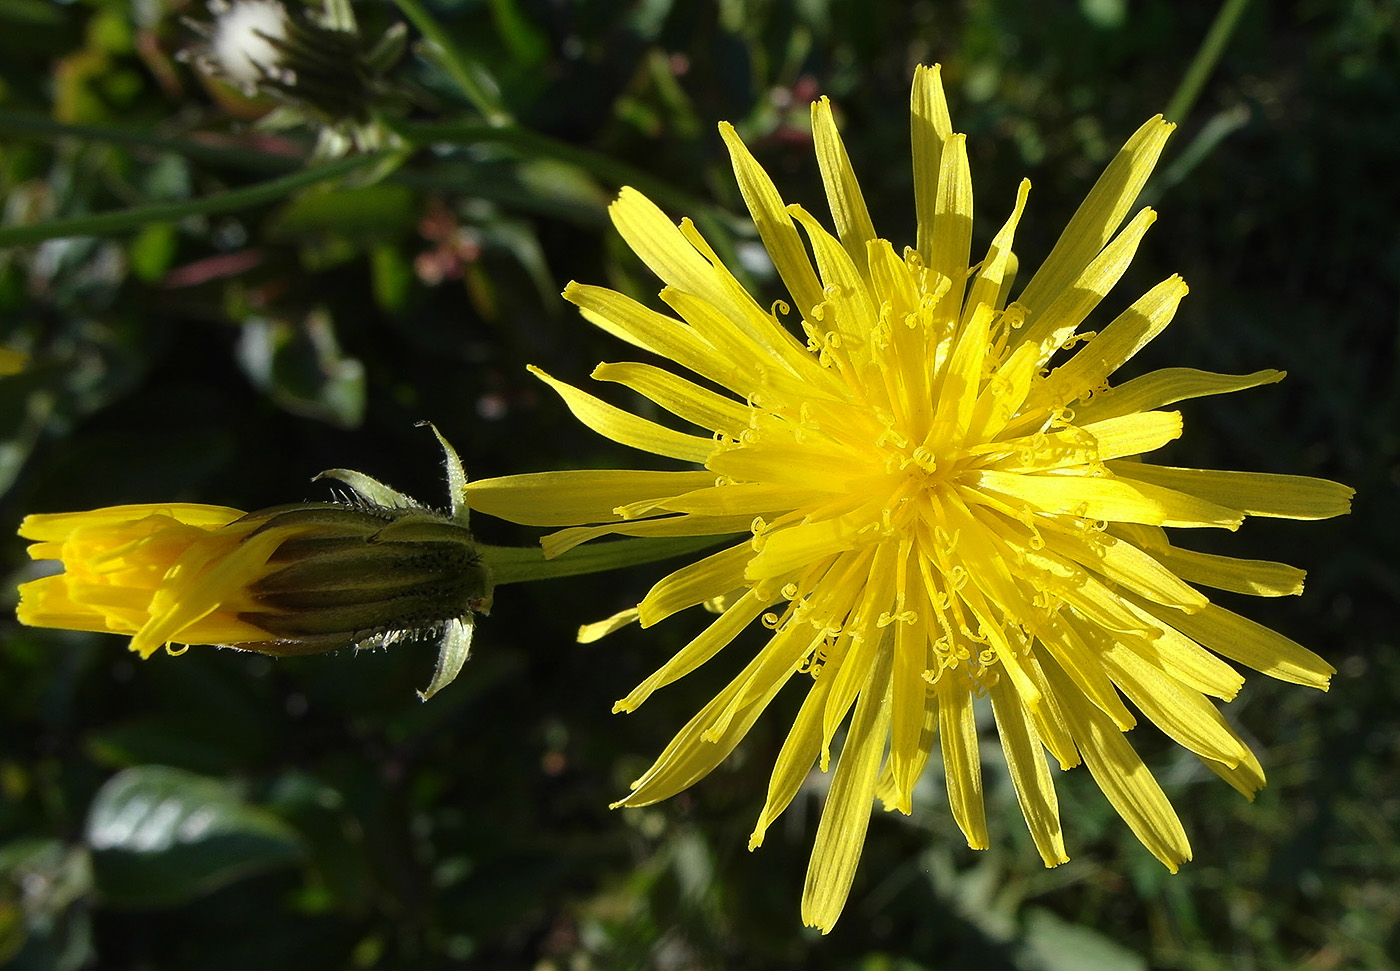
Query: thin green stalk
(111, 223)
(455, 63)
(25, 125)
(514, 564)
(1207, 55)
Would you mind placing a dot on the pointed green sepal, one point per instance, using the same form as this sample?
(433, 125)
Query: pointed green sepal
(452, 654)
(456, 478)
(388, 50)
(370, 489)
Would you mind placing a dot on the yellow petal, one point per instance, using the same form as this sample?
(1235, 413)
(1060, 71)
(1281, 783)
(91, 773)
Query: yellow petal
(774, 225)
(1259, 578)
(962, 764)
(582, 496)
(662, 247)
(705, 646)
(745, 498)
(1113, 499)
(1134, 434)
(60, 525)
(798, 466)
(682, 398)
(950, 246)
(842, 190)
(1123, 778)
(626, 428)
(1255, 646)
(695, 583)
(846, 815)
(1098, 216)
(845, 292)
(1062, 318)
(1004, 394)
(1112, 347)
(865, 638)
(787, 549)
(1084, 667)
(913, 712)
(801, 377)
(930, 126)
(694, 752)
(957, 396)
(1254, 493)
(1167, 386)
(596, 631)
(1122, 562)
(786, 653)
(1175, 652)
(559, 543)
(199, 582)
(665, 336)
(1247, 777)
(1181, 713)
(987, 288)
(1030, 776)
(795, 758)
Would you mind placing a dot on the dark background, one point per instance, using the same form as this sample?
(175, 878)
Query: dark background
(227, 358)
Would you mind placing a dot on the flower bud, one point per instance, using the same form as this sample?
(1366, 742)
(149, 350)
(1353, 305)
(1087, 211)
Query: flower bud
(371, 570)
(345, 576)
(292, 580)
(319, 67)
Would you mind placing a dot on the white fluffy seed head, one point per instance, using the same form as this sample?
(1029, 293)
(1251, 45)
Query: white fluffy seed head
(240, 44)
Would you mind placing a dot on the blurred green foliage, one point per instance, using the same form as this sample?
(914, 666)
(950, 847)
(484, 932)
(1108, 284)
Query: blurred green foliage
(220, 810)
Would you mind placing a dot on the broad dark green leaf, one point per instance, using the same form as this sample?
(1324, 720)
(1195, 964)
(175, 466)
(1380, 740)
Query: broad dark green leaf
(161, 836)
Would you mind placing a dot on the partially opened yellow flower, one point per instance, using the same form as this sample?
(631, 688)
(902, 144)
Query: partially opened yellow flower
(943, 501)
(298, 579)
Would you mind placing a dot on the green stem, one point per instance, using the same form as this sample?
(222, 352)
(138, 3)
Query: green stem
(112, 223)
(25, 125)
(455, 63)
(1207, 55)
(515, 564)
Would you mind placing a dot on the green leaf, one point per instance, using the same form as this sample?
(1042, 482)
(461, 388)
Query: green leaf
(1057, 945)
(302, 368)
(391, 276)
(372, 212)
(152, 250)
(161, 837)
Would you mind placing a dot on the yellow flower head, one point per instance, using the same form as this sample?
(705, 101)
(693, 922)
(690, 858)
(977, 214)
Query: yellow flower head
(944, 498)
(294, 579)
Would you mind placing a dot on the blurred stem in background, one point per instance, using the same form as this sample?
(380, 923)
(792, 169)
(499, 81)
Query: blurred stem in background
(480, 92)
(1203, 63)
(126, 220)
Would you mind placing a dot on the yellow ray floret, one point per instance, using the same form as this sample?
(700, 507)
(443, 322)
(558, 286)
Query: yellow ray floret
(943, 501)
